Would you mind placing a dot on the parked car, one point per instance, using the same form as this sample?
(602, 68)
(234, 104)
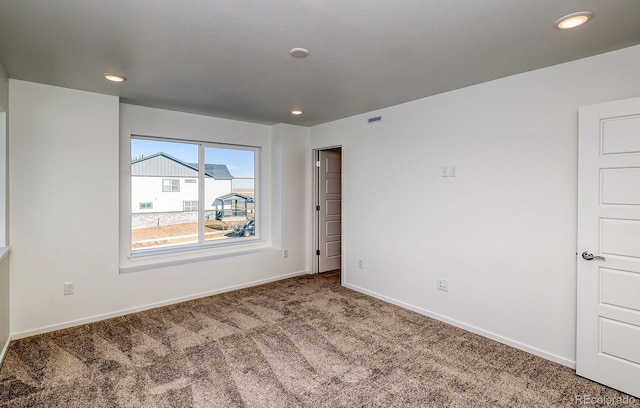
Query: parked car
(246, 229)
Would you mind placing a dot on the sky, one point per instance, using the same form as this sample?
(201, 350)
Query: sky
(239, 162)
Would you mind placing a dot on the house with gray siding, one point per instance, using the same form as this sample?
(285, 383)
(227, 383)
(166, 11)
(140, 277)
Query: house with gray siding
(161, 183)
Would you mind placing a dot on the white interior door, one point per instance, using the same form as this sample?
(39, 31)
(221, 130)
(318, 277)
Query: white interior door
(608, 320)
(330, 212)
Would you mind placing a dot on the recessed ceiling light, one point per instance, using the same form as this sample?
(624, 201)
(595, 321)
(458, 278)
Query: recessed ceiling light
(573, 20)
(299, 52)
(297, 112)
(114, 77)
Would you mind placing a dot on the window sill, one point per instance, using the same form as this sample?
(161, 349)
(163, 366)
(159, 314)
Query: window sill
(164, 259)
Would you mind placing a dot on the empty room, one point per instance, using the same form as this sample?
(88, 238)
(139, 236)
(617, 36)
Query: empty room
(319, 203)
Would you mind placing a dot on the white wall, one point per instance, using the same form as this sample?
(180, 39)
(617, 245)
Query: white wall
(4, 260)
(65, 196)
(5, 310)
(4, 109)
(503, 232)
(292, 197)
(4, 89)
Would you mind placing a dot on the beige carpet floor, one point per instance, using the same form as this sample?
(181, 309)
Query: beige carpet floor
(301, 342)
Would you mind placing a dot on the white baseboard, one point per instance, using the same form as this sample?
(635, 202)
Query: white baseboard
(92, 319)
(5, 348)
(490, 335)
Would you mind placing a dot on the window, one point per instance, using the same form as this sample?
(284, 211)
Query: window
(213, 200)
(191, 205)
(170, 186)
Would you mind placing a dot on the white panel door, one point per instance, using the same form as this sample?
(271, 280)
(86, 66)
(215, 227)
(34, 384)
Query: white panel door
(330, 213)
(608, 324)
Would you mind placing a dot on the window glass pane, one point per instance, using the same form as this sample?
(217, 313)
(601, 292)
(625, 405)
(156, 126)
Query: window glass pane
(166, 188)
(158, 173)
(229, 193)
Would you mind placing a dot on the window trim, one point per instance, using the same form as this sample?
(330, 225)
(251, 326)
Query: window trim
(190, 205)
(204, 248)
(170, 188)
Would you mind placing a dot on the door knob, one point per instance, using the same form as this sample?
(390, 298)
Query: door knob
(588, 256)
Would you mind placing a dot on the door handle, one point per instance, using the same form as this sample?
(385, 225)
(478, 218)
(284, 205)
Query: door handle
(588, 256)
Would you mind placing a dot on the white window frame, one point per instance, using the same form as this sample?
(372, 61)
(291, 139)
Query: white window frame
(190, 204)
(202, 248)
(172, 187)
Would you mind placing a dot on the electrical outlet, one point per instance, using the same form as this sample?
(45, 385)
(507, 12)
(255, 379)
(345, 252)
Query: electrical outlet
(452, 171)
(443, 285)
(68, 288)
(444, 171)
(285, 253)
(360, 263)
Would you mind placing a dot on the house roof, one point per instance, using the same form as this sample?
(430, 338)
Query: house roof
(216, 171)
(234, 195)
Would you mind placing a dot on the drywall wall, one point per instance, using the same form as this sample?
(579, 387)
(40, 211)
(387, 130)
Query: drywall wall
(4, 109)
(292, 165)
(63, 189)
(4, 89)
(503, 231)
(4, 256)
(64, 193)
(5, 312)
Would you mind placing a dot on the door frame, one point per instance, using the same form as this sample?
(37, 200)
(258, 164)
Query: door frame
(315, 216)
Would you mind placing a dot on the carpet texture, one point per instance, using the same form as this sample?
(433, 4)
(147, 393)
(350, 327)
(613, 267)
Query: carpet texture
(301, 342)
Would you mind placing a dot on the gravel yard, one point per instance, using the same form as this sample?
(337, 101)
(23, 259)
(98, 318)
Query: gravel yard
(182, 233)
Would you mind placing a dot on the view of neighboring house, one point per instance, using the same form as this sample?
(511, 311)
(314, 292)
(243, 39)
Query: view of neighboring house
(160, 183)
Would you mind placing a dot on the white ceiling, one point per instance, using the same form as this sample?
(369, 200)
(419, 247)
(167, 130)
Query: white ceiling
(231, 59)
